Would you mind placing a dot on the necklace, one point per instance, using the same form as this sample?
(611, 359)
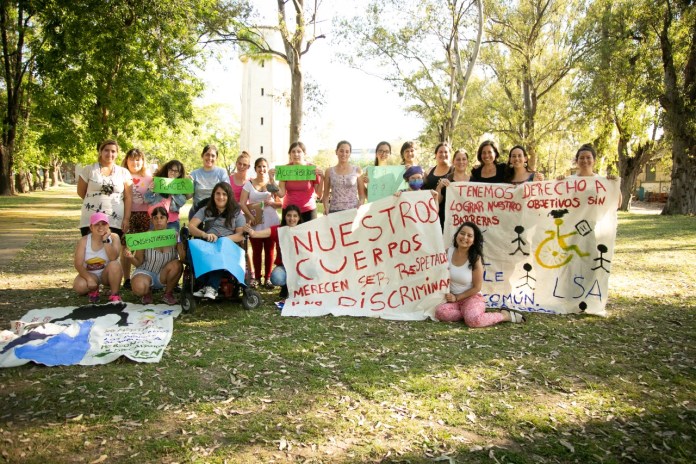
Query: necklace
(111, 170)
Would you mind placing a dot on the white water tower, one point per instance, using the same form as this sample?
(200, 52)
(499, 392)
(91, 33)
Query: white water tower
(265, 112)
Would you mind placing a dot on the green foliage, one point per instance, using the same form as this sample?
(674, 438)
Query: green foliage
(123, 69)
(209, 125)
(534, 48)
(426, 50)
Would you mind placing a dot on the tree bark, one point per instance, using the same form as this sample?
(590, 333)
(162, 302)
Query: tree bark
(679, 103)
(14, 69)
(630, 166)
(54, 171)
(296, 100)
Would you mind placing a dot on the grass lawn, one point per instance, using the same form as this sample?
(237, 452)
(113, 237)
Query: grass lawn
(238, 386)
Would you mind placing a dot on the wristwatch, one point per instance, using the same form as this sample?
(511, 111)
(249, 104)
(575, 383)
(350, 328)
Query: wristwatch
(108, 240)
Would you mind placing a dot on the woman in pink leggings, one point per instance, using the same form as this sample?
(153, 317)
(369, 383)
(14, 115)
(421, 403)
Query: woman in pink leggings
(464, 301)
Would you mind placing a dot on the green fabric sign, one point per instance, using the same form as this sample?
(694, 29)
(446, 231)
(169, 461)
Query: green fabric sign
(383, 181)
(172, 186)
(296, 172)
(152, 239)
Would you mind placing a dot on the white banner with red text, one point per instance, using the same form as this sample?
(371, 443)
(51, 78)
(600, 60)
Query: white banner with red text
(385, 259)
(548, 245)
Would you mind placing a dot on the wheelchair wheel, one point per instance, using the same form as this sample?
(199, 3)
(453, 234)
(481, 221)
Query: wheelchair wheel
(251, 299)
(188, 301)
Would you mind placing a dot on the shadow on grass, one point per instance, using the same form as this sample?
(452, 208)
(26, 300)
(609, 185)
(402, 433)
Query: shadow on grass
(251, 386)
(248, 379)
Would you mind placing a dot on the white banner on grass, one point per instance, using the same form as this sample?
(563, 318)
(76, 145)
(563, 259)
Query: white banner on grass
(88, 335)
(548, 245)
(385, 259)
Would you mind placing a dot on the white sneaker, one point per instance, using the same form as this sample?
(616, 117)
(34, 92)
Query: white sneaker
(200, 293)
(210, 293)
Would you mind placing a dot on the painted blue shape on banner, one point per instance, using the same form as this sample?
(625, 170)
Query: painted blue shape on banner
(59, 350)
(223, 254)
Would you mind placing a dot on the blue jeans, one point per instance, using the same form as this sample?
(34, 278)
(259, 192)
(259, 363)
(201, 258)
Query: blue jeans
(212, 279)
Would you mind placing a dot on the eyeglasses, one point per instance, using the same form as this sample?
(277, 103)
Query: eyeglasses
(383, 152)
(174, 170)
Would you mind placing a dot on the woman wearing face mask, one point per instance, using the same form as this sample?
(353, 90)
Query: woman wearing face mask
(414, 178)
(490, 170)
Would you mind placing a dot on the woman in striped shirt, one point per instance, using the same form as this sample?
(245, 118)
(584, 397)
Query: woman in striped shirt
(157, 268)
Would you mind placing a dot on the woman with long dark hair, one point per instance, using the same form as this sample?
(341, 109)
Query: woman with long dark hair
(464, 301)
(221, 219)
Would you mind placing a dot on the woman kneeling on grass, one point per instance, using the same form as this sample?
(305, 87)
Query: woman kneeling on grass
(96, 260)
(292, 217)
(157, 268)
(465, 301)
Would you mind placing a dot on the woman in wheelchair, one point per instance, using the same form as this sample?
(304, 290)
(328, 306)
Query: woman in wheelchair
(220, 219)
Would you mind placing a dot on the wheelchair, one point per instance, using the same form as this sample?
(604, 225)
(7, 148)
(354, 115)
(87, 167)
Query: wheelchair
(230, 288)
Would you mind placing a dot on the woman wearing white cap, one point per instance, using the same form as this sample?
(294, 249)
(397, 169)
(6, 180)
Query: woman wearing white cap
(96, 260)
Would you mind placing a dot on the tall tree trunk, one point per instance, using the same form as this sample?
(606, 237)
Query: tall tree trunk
(14, 68)
(6, 186)
(296, 99)
(630, 166)
(54, 171)
(679, 104)
(22, 181)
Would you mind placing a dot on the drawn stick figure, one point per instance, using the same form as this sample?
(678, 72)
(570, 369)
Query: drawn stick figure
(602, 249)
(527, 267)
(519, 240)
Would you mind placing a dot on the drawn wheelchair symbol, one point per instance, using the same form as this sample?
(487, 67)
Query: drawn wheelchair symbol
(553, 252)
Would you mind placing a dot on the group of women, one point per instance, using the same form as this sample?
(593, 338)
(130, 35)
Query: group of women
(119, 199)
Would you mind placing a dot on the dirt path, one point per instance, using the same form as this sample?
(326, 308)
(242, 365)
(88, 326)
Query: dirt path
(22, 217)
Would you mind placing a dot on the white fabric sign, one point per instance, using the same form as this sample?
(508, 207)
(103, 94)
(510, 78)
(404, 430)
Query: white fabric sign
(548, 246)
(88, 335)
(385, 259)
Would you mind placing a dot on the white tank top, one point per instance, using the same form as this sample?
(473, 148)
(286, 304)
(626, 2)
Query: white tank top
(461, 277)
(95, 261)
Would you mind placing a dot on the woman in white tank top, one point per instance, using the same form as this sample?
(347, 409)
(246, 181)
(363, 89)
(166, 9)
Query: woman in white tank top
(464, 300)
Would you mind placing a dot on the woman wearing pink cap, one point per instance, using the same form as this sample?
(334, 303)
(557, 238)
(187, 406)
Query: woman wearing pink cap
(96, 260)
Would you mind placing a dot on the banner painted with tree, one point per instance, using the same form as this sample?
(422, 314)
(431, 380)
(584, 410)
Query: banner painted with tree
(548, 245)
(386, 259)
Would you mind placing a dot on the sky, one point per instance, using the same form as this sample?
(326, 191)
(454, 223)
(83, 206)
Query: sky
(357, 107)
